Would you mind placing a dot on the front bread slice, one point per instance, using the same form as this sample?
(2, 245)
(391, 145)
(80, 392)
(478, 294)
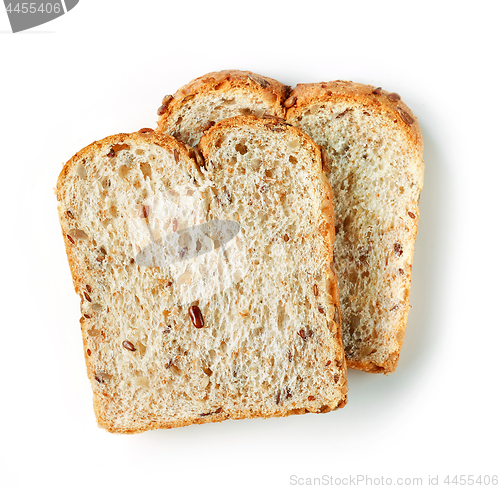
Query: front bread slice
(216, 96)
(203, 276)
(375, 152)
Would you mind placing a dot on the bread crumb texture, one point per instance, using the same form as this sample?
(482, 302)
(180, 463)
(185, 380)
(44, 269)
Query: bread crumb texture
(246, 326)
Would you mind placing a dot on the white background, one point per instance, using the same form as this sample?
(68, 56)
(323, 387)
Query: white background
(102, 69)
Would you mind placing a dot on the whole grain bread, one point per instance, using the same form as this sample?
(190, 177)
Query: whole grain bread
(373, 159)
(374, 162)
(246, 327)
(216, 96)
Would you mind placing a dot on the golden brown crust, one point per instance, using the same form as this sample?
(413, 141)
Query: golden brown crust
(390, 106)
(382, 101)
(89, 150)
(210, 418)
(274, 92)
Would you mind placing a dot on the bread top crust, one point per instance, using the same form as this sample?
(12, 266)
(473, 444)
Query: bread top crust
(226, 81)
(386, 103)
(140, 136)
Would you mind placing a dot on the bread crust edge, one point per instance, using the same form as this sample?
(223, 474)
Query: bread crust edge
(225, 81)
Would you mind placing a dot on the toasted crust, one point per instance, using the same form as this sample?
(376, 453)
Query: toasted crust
(390, 106)
(226, 82)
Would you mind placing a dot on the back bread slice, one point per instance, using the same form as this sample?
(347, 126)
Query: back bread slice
(241, 328)
(216, 96)
(376, 155)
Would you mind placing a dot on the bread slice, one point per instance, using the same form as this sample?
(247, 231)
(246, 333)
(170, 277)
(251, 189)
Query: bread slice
(375, 152)
(248, 326)
(216, 96)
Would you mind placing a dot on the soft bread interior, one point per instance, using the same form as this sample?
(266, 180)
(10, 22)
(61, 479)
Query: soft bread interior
(193, 117)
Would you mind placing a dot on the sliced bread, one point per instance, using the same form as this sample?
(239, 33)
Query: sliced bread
(248, 324)
(374, 162)
(373, 159)
(216, 96)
